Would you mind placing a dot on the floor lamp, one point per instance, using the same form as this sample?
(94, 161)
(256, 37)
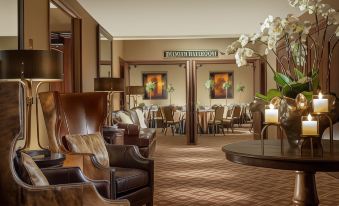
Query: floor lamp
(26, 67)
(110, 85)
(134, 91)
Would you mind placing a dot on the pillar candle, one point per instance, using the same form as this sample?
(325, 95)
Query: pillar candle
(320, 105)
(309, 127)
(271, 115)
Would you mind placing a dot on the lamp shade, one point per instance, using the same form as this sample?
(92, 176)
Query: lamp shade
(109, 84)
(135, 90)
(35, 65)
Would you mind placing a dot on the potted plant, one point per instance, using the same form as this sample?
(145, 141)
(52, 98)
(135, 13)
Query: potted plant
(170, 90)
(209, 85)
(294, 81)
(150, 87)
(225, 86)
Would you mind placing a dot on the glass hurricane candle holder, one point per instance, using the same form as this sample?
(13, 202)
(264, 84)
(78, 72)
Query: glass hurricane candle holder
(271, 114)
(309, 126)
(320, 103)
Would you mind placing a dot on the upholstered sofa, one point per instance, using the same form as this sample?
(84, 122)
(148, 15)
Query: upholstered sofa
(136, 130)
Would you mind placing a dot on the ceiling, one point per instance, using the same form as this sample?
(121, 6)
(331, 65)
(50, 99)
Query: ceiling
(143, 19)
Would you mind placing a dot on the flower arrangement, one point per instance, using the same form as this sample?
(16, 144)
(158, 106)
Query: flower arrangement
(295, 36)
(170, 90)
(209, 85)
(150, 87)
(240, 88)
(225, 86)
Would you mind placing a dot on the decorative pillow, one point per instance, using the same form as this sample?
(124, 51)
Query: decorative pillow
(35, 174)
(141, 118)
(125, 118)
(90, 143)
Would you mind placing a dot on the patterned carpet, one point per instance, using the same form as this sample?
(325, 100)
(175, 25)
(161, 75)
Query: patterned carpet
(200, 175)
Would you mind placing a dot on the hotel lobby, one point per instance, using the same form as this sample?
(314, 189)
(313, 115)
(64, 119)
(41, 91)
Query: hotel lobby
(169, 102)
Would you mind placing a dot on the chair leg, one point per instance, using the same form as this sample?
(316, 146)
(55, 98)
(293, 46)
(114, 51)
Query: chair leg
(172, 127)
(166, 130)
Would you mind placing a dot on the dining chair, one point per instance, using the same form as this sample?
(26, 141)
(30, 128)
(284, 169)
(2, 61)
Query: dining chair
(228, 122)
(169, 119)
(216, 123)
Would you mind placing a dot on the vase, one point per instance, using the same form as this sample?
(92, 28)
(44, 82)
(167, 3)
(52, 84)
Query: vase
(291, 113)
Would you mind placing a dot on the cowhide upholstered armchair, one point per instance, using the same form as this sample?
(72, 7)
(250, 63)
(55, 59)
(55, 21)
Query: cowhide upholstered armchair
(130, 174)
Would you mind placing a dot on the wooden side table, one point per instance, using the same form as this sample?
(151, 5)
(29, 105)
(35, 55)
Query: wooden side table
(45, 158)
(114, 135)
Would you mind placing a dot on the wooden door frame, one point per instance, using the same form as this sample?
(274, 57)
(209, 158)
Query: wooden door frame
(190, 139)
(254, 62)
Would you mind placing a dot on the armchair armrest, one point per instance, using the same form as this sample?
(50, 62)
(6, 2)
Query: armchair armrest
(91, 168)
(128, 156)
(69, 175)
(130, 129)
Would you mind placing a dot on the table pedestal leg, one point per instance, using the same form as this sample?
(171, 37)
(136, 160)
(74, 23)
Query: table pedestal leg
(305, 190)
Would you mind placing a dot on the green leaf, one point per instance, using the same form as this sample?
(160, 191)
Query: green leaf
(281, 79)
(295, 88)
(273, 93)
(308, 95)
(262, 97)
(298, 73)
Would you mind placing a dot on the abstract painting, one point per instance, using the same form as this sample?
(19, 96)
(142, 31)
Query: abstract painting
(160, 80)
(219, 78)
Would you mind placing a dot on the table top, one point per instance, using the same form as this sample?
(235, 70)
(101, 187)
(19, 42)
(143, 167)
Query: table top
(286, 157)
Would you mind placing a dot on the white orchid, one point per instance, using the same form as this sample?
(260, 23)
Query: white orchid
(266, 23)
(232, 48)
(244, 39)
(241, 56)
(209, 84)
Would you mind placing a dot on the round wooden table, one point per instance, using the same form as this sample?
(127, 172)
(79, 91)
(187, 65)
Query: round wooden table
(289, 158)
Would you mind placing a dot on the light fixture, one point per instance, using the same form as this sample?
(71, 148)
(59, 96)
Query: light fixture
(110, 85)
(134, 91)
(26, 67)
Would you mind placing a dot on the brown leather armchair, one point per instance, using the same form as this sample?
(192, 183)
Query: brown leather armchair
(67, 185)
(144, 138)
(131, 175)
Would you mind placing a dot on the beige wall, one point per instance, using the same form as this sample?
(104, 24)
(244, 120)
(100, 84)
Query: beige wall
(175, 76)
(8, 42)
(243, 76)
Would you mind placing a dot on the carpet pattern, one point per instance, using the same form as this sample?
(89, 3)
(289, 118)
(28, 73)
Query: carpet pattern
(200, 175)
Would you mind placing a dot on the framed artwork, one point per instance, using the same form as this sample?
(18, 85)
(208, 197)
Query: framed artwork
(160, 80)
(219, 79)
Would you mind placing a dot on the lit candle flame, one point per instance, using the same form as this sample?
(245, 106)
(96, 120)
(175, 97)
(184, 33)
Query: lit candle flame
(271, 106)
(320, 95)
(309, 117)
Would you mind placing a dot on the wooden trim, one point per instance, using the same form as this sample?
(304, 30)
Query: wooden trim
(21, 23)
(105, 62)
(157, 62)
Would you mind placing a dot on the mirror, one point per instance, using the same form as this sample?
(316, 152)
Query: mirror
(104, 44)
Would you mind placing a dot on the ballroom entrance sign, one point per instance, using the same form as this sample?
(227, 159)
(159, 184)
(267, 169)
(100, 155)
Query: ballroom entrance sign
(191, 53)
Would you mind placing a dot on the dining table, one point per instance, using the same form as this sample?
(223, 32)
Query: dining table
(204, 115)
(286, 156)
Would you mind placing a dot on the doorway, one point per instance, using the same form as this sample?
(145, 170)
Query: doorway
(65, 37)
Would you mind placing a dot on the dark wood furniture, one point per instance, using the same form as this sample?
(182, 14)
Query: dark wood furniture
(113, 135)
(288, 158)
(46, 159)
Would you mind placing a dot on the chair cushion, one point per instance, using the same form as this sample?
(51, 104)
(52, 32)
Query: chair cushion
(90, 143)
(141, 118)
(127, 179)
(125, 118)
(35, 174)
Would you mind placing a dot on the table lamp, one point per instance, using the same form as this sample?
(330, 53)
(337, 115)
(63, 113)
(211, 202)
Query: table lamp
(26, 67)
(110, 85)
(134, 91)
